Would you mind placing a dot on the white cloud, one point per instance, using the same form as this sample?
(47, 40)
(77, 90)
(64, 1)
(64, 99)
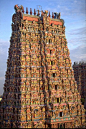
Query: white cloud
(58, 6)
(4, 45)
(2, 78)
(82, 56)
(77, 31)
(75, 1)
(78, 54)
(76, 38)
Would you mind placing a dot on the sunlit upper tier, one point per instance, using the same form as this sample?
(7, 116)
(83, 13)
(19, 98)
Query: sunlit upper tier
(35, 17)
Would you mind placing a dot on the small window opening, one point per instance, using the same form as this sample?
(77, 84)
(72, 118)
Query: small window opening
(22, 25)
(54, 74)
(60, 125)
(49, 40)
(51, 62)
(13, 110)
(47, 29)
(50, 51)
(61, 113)
(49, 125)
(55, 87)
(57, 100)
(68, 106)
(15, 96)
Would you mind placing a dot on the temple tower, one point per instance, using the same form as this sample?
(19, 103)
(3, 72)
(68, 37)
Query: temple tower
(40, 90)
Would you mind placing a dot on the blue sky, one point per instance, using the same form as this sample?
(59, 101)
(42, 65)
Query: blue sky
(72, 11)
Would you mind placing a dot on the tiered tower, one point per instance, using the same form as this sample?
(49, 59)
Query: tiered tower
(40, 90)
(80, 77)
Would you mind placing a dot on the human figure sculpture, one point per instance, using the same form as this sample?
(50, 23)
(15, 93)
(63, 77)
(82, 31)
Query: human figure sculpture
(57, 15)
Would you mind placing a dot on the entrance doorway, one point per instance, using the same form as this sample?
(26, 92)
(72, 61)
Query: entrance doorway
(61, 125)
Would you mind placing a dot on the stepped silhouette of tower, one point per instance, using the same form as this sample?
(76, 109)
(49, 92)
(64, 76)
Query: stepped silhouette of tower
(40, 90)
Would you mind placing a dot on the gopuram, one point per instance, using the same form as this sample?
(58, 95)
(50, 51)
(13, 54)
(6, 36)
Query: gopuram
(40, 90)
